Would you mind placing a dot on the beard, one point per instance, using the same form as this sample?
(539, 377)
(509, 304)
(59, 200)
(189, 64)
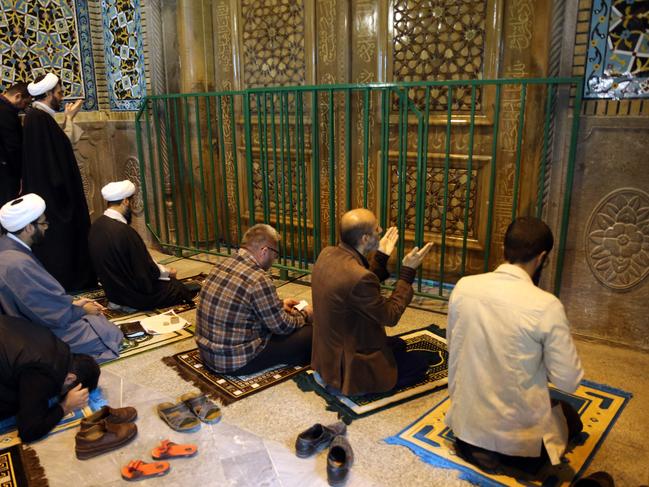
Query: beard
(56, 104)
(128, 215)
(372, 245)
(38, 236)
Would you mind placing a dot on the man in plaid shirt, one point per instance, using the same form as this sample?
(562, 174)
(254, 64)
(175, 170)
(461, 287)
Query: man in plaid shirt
(242, 326)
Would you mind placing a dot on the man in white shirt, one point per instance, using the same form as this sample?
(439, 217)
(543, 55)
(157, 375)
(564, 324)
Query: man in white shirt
(507, 338)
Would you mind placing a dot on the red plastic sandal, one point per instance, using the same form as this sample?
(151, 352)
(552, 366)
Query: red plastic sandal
(139, 470)
(169, 449)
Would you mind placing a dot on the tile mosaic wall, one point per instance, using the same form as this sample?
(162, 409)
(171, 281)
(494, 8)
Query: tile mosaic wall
(124, 53)
(48, 35)
(617, 61)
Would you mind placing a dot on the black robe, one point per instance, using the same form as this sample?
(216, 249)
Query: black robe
(126, 270)
(50, 170)
(11, 146)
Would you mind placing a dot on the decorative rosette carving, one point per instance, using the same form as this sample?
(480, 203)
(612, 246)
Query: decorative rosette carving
(617, 239)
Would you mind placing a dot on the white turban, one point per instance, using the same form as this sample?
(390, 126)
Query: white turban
(43, 86)
(17, 213)
(118, 190)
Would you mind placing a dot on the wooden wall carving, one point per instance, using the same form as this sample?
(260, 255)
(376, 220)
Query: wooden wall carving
(439, 40)
(297, 42)
(273, 42)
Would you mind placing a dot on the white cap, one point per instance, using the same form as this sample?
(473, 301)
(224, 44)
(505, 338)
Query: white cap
(43, 86)
(118, 190)
(18, 213)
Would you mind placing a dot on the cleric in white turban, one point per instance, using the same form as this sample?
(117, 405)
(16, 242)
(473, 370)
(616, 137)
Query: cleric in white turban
(43, 85)
(118, 190)
(28, 290)
(16, 214)
(130, 277)
(50, 170)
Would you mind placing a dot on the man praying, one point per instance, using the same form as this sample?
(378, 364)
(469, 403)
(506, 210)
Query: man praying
(27, 290)
(50, 170)
(123, 264)
(242, 326)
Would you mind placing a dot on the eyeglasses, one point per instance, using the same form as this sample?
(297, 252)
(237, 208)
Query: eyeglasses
(274, 250)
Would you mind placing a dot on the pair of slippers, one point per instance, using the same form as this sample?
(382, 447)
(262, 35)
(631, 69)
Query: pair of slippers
(187, 415)
(139, 470)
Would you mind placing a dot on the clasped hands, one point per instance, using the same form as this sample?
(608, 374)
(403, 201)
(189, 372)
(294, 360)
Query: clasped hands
(413, 259)
(89, 306)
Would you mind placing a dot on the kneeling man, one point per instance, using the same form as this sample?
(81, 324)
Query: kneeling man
(27, 290)
(507, 338)
(36, 367)
(351, 350)
(122, 262)
(242, 326)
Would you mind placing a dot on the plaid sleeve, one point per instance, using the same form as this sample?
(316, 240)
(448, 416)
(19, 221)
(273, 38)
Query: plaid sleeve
(270, 310)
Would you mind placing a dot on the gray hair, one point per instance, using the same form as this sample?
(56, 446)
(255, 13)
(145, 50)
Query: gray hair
(259, 235)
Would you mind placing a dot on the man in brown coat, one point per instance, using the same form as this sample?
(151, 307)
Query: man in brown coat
(351, 350)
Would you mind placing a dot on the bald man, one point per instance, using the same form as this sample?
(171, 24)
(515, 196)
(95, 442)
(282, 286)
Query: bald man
(242, 326)
(351, 350)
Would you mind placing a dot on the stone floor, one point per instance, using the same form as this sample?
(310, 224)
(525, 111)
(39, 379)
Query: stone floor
(272, 418)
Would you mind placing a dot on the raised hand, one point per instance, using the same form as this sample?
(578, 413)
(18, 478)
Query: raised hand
(415, 257)
(389, 240)
(71, 109)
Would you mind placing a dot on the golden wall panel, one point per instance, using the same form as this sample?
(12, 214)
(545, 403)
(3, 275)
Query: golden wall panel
(273, 42)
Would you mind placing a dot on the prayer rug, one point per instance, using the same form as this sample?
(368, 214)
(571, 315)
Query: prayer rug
(148, 342)
(598, 405)
(100, 296)
(353, 407)
(20, 466)
(223, 387)
(95, 401)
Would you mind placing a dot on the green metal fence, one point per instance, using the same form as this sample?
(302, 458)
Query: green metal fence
(452, 162)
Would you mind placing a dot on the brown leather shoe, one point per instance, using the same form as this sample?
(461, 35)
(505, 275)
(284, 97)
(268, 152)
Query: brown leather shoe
(111, 415)
(102, 438)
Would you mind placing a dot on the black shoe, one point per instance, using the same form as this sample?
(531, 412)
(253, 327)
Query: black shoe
(484, 459)
(317, 438)
(339, 460)
(597, 479)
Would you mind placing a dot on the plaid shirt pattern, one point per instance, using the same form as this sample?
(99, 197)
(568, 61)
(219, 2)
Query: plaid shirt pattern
(239, 310)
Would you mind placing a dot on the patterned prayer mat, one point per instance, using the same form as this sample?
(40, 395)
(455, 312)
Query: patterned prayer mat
(148, 342)
(226, 388)
(95, 401)
(598, 405)
(113, 315)
(353, 407)
(19, 465)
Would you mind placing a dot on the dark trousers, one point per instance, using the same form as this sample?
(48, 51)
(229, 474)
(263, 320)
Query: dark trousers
(293, 349)
(493, 462)
(411, 366)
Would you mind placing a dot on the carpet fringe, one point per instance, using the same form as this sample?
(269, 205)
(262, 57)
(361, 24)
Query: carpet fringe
(195, 380)
(34, 471)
